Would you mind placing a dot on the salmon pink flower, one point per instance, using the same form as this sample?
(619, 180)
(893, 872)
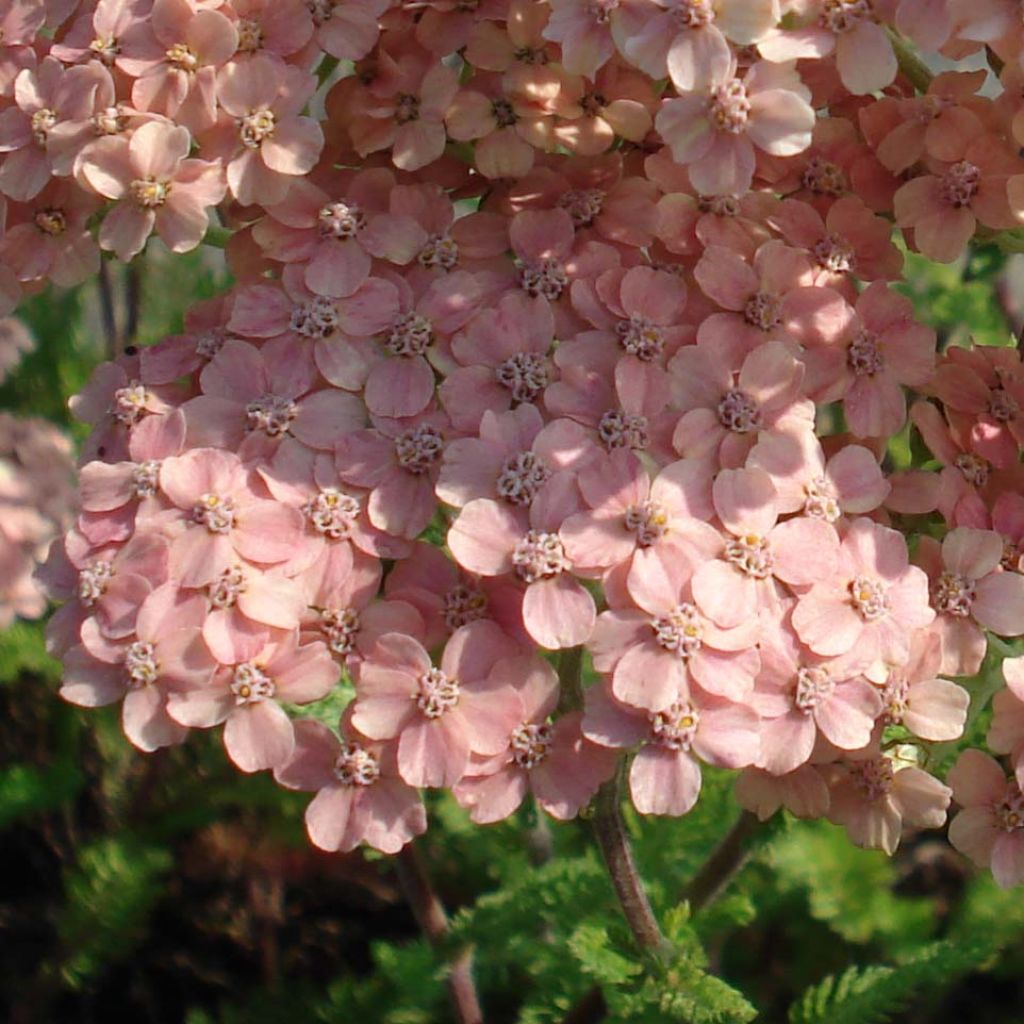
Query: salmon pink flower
(872, 604)
(244, 697)
(439, 715)
(155, 186)
(347, 29)
(970, 591)
(664, 777)
(276, 28)
(802, 792)
(551, 759)
(989, 829)
(714, 130)
(360, 797)
(221, 517)
(872, 796)
(20, 23)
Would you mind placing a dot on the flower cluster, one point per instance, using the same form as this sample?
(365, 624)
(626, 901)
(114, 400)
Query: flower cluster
(565, 326)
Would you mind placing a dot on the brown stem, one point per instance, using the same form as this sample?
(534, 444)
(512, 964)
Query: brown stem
(725, 860)
(107, 311)
(610, 830)
(433, 921)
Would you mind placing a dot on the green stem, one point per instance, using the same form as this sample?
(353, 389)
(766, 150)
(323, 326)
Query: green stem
(570, 679)
(911, 66)
(217, 236)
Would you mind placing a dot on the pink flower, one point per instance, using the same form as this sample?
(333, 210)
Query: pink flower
(872, 796)
(638, 522)
(881, 349)
(656, 643)
(155, 186)
(347, 30)
(360, 797)
(849, 483)
(174, 54)
(864, 55)
(944, 208)
(1006, 730)
(970, 590)
(261, 137)
(221, 517)
(664, 777)
(438, 715)
(799, 695)
(584, 30)
(761, 553)
(553, 760)
(989, 828)
(19, 24)
(277, 28)
(803, 792)
(912, 696)
(725, 412)
(164, 653)
(873, 603)
(244, 696)
(492, 539)
(715, 129)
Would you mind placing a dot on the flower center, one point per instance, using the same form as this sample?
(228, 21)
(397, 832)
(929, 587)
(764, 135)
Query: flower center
(226, 588)
(869, 597)
(813, 685)
(525, 374)
(539, 556)
(521, 477)
(835, 253)
(619, 429)
(959, 185)
(582, 204)
(419, 449)
(729, 108)
(317, 318)
(105, 49)
(462, 605)
(873, 778)
(321, 10)
(42, 121)
(752, 555)
(271, 414)
(844, 15)
(210, 342)
(648, 520)
(545, 277)
(407, 108)
(340, 627)
(145, 478)
(250, 35)
(1002, 405)
(601, 10)
(823, 177)
(530, 55)
(340, 220)
(437, 693)
(821, 502)
(863, 356)
(148, 193)
(681, 631)
(217, 514)
(51, 221)
(140, 664)
(676, 726)
(355, 766)
(504, 113)
(1009, 812)
(182, 57)
(719, 206)
(129, 404)
(109, 121)
(894, 695)
(93, 580)
(640, 338)
(1011, 559)
(973, 467)
(738, 412)
(332, 513)
(411, 335)
(530, 744)
(250, 684)
(256, 126)
(954, 594)
(763, 311)
(440, 251)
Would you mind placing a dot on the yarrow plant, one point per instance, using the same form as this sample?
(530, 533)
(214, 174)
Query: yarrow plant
(551, 428)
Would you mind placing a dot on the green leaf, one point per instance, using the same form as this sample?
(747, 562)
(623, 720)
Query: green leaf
(26, 789)
(592, 947)
(23, 651)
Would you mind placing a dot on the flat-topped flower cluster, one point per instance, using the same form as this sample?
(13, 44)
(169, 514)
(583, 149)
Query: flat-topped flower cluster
(561, 326)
